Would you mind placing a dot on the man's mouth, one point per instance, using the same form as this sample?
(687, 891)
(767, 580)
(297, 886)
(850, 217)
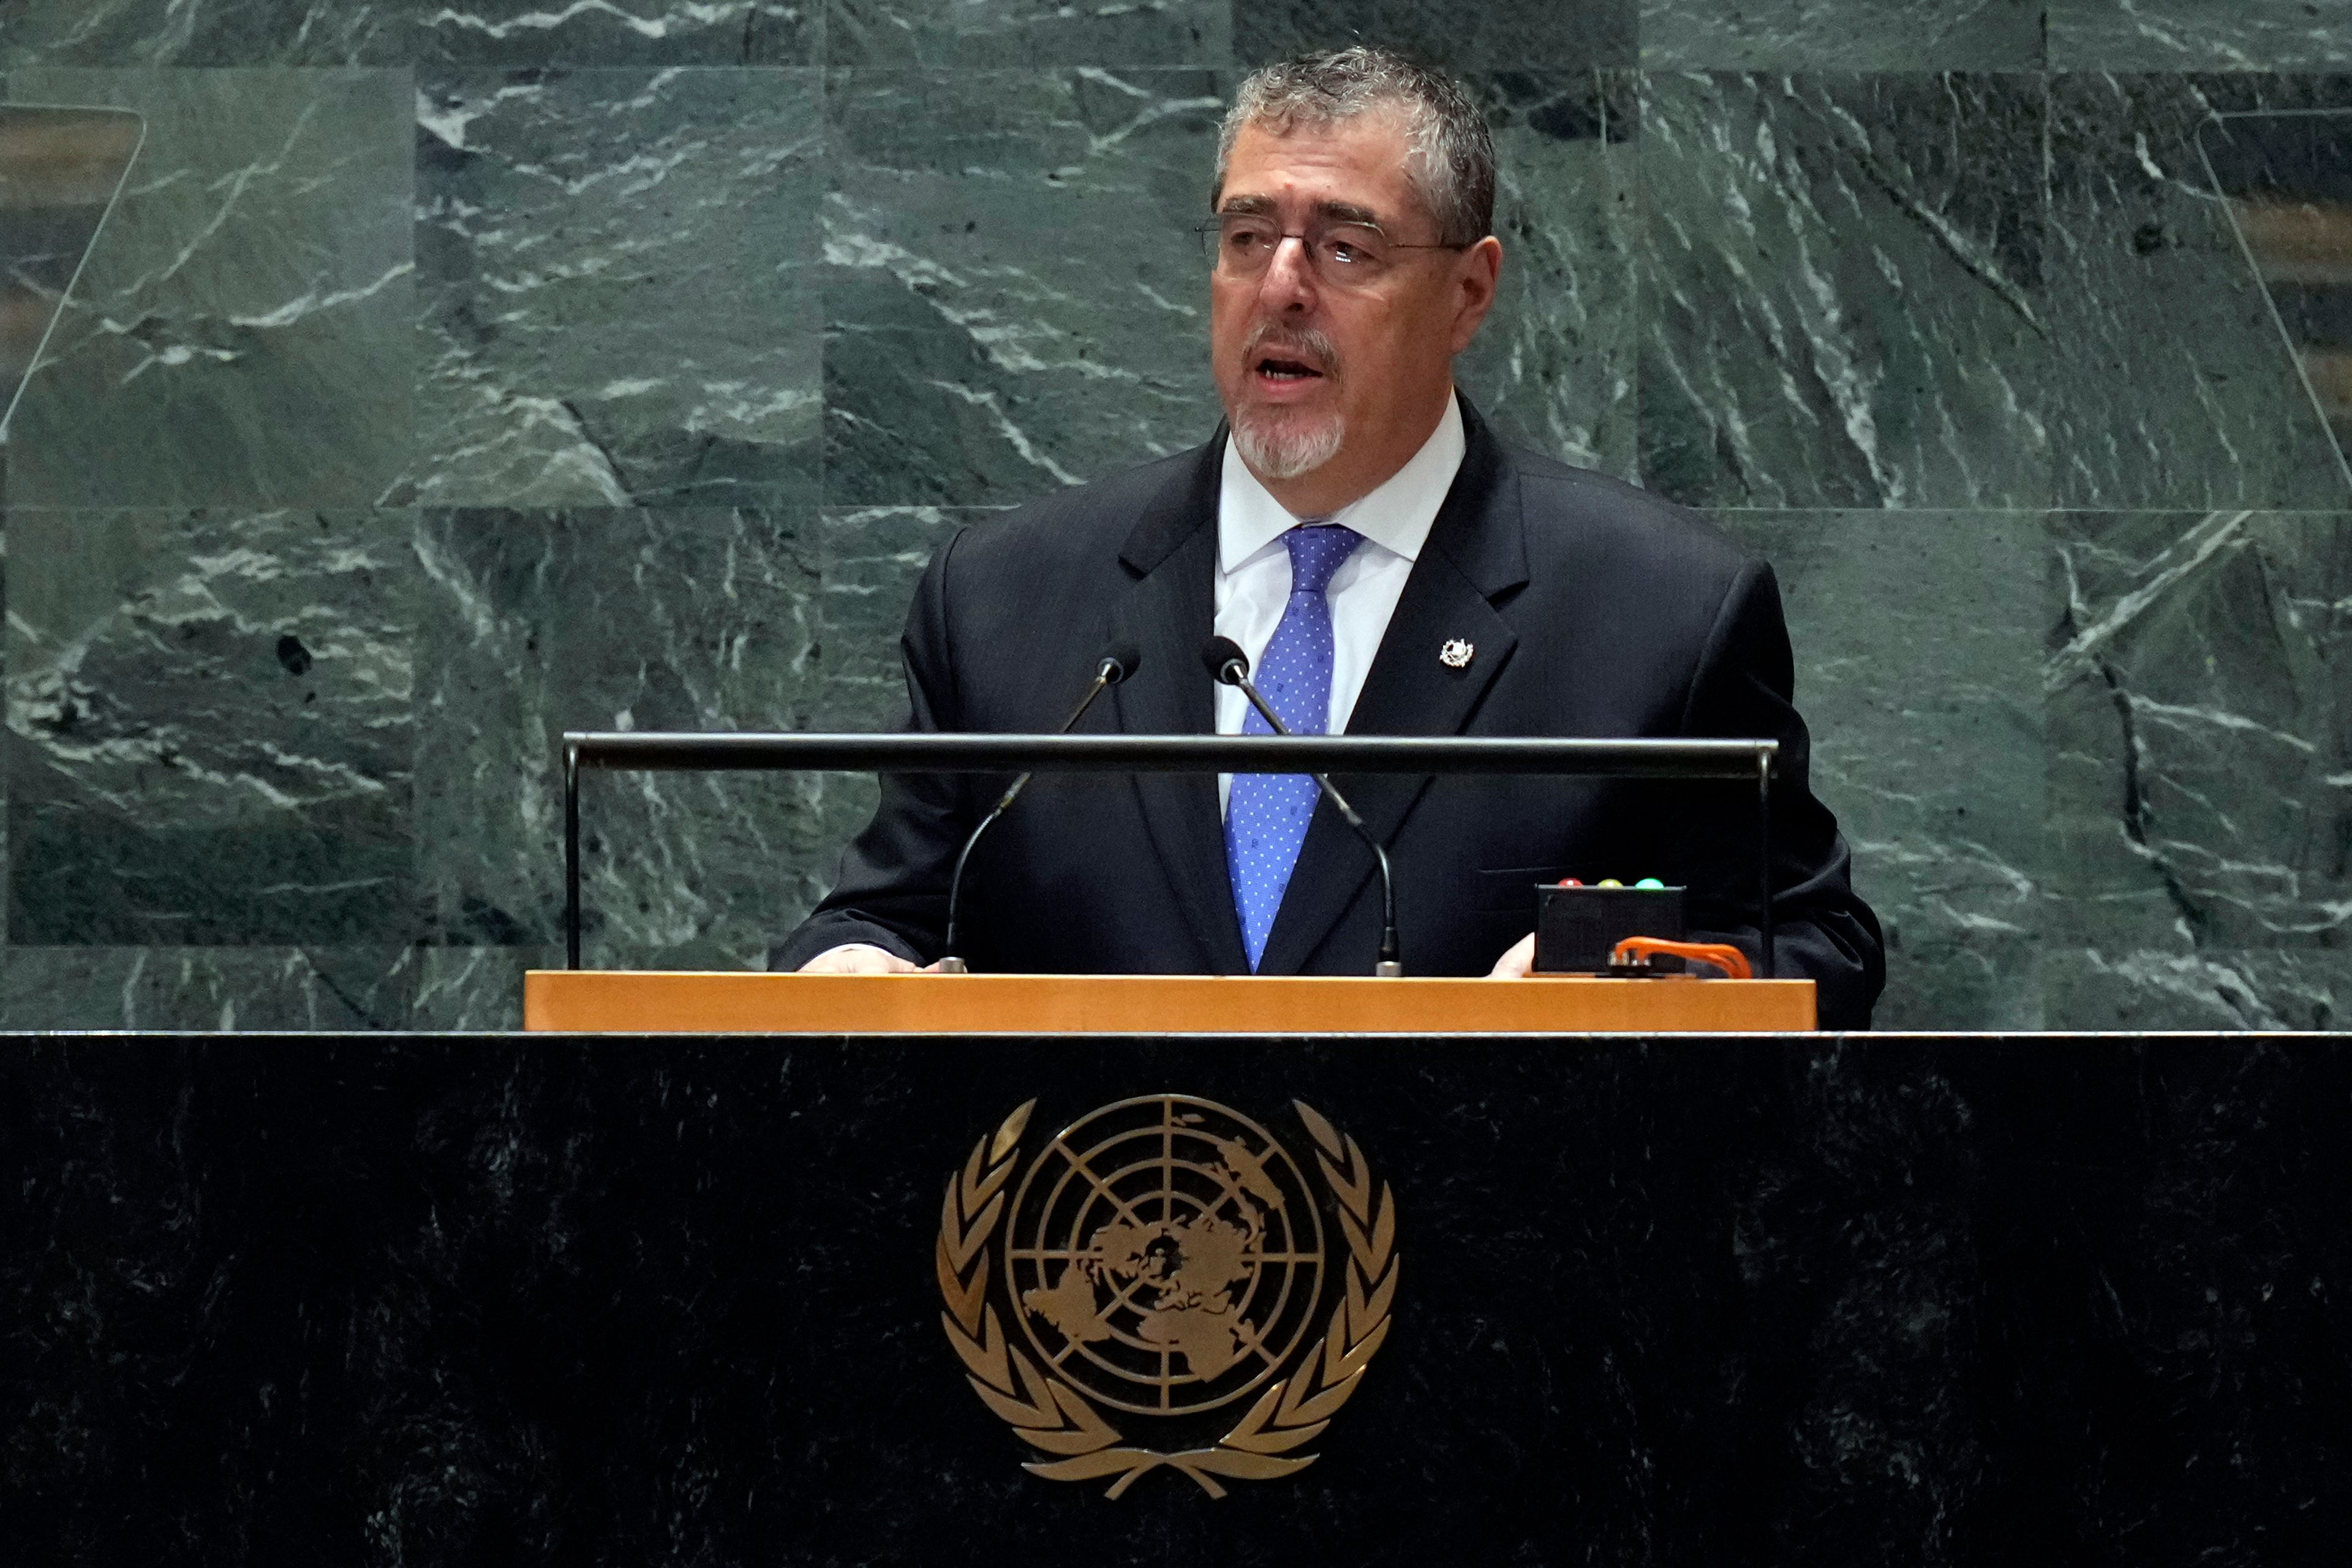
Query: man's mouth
(1281, 367)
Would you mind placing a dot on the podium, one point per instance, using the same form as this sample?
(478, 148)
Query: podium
(637, 1002)
(682, 1297)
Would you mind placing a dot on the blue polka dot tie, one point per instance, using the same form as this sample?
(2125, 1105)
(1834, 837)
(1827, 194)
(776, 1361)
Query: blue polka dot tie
(1266, 813)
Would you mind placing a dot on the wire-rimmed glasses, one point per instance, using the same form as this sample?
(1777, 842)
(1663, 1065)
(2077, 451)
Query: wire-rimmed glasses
(1344, 255)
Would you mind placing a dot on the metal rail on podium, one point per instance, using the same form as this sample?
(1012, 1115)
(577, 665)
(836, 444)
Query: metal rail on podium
(574, 1000)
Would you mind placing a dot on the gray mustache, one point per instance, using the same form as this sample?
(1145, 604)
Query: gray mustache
(1312, 343)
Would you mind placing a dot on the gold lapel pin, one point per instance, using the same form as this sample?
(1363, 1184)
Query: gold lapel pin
(1455, 654)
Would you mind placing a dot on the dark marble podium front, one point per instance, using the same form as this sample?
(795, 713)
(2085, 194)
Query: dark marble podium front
(515, 1300)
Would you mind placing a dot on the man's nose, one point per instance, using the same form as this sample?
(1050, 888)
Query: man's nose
(1289, 283)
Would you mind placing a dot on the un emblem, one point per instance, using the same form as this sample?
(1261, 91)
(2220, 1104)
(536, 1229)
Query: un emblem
(1166, 1257)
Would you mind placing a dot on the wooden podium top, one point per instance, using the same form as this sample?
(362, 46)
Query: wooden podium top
(629, 1002)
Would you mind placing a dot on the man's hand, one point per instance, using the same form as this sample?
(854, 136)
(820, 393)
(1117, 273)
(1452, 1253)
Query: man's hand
(859, 958)
(1516, 963)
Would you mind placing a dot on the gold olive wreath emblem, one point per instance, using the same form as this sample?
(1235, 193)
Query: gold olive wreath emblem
(1174, 1257)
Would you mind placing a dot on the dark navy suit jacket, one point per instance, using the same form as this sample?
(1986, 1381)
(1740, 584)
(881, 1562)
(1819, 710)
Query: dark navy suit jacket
(1593, 609)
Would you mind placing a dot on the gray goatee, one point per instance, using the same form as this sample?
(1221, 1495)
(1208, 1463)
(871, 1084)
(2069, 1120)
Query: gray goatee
(1279, 443)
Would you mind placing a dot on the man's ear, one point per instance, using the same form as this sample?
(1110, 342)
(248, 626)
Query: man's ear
(1477, 273)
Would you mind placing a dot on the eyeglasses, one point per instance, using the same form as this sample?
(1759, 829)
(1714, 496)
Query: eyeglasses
(1343, 255)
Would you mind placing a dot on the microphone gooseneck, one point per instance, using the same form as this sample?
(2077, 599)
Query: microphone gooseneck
(1118, 661)
(1228, 666)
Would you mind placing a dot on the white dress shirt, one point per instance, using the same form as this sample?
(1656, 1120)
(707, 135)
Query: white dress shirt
(1253, 573)
(1253, 568)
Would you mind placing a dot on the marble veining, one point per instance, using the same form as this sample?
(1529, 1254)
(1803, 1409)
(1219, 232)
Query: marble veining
(618, 31)
(210, 728)
(995, 33)
(226, 988)
(1918, 638)
(1844, 301)
(2173, 386)
(64, 169)
(1509, 34)
(1015, 298)
(1841, 35)
(241, 335)
(1553, 368)
(214, 33)
(2196, 35)
(229, 33)
(872, 557)
(2199, 747)
(2287, 182)
(616, 308)
(2166, 988)
(475, 989)
(1877, 283)
(534, 623)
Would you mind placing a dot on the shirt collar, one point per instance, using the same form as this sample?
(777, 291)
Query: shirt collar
(1397, 516)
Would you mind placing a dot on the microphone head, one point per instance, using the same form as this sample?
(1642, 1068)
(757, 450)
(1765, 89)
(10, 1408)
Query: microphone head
(1119, 662)
(1227, 664)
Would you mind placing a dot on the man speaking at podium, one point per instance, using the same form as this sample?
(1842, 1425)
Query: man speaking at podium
(1388, 567)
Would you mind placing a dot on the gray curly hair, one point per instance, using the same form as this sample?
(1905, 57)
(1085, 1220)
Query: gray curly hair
(1452, 162)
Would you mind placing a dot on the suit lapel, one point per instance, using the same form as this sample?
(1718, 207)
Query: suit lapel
(1170, 612)
(1476, 552)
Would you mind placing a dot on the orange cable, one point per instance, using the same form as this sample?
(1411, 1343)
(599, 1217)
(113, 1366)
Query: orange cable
(1730, 959)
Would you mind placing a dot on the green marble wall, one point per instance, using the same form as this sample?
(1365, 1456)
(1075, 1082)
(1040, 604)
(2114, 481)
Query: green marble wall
(454, 373)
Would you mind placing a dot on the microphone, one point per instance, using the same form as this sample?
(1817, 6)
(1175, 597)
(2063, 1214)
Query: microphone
(1228, 666)
(1120, 661)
